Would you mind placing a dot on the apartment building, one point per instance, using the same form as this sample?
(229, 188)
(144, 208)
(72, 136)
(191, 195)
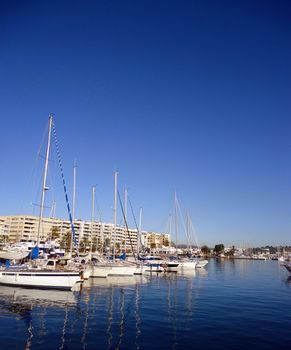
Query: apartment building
(25, 227)
(156, 240)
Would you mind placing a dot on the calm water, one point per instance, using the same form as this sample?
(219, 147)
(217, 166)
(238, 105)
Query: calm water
(228, 305)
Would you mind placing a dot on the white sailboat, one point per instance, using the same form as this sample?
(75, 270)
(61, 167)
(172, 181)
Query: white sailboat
(140, 269)
(33, 275)
(98, 268)
(135, 260)
(118, 268)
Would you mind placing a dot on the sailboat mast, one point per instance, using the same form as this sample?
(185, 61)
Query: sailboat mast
(92, 216)
(125, 217)
(44, 188)
(115, 205)
(74, 202)
(188, 230)
(125, 204)
(139, 231)
(176, 222)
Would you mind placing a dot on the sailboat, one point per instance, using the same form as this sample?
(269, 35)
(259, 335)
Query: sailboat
(32, 275)
(118, 268)
(97, 266)
(135, 260)
(184, 264)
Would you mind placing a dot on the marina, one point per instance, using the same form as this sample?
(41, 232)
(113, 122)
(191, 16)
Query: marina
(145, 175)
(212, 306)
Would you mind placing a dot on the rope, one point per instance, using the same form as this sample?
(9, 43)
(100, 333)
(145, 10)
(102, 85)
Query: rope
(65, 187)
(126, 225)
(134, 219)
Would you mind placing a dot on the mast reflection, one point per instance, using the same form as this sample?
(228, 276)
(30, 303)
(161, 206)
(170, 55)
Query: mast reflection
(22, 302)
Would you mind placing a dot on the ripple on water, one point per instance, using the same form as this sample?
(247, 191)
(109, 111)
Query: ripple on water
(229, 305)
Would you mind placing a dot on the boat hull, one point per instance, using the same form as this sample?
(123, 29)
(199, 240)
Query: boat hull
(99, 271)
(187, 265)
(119, 270)
(87, 272)
(40, 279)
(139, 270)
(171, 267)
(201, 263)
(153, 267)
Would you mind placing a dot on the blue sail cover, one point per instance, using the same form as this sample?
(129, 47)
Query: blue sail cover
(34, 253)
(122, 256)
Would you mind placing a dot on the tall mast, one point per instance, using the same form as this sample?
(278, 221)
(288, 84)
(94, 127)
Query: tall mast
(92, 216)
(125, 218)
(115, 204)
(176, 221)
(139, 231)
(125, 204)
(44, 188)
(188, 230)
(74, 202)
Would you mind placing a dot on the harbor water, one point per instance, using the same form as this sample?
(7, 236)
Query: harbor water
(231, 304)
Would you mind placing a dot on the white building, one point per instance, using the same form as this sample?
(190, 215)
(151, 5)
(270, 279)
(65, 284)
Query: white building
(25, 227)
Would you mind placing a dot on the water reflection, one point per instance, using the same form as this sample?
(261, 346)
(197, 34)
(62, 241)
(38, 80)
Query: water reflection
(115, 281)
(172, 306)
(109, 313)
(34, 297)
(21, 302)
(163, 311)
(116, 302)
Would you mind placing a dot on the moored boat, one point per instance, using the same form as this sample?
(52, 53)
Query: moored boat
(187, 264)
(46, 279)
(32, 275)
(121, 269)
(100, 270)
(201, 263)
(170, 266)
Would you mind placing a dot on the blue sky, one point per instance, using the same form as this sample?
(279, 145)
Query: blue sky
(185, 96)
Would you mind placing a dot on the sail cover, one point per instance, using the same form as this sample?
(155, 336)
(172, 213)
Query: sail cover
(34, 253)
(13, 255)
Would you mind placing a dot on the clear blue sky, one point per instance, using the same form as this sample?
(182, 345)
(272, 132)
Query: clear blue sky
(192, 96)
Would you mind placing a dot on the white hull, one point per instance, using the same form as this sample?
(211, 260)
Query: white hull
(153, 267)
(40, 279)
(86, 273)
(139, 270)
(121, 270)
(100, 271)
(171, 267)
(187, 265)
(202, 263)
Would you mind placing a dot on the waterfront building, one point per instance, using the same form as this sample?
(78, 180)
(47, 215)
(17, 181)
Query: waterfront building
(14, 228)
(155, 240)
